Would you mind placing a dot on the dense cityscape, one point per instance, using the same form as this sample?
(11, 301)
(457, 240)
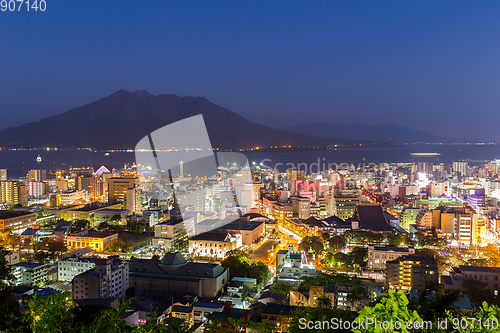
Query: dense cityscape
(253, 166)
(251, 249)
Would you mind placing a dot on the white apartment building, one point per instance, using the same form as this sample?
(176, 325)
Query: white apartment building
(214, 244)
(379, 255)
(70, 267)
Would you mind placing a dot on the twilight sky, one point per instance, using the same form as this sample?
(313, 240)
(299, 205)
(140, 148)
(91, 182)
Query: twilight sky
(432, 65)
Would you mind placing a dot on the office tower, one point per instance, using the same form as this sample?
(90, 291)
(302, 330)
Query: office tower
(461, 167)
(37, 175)
(13, 192)
(117, 189)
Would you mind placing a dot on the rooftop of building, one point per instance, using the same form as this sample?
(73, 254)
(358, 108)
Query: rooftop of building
(215, 236)
(270, 296)
(391, 248)
(29, 232)
(173, 258)
(389, 216)
(8, 214)
(112, 210)
(94, 234)
(371, 217)
(336, 221)
(417, 258)
(151, 267)
(256, 216)
(84, 251)
(181, 309)
(90, 208)
(465, 268)
(313, 222)
(28, 265)
(278, 309)
(242, 224)
(235, 314)
(62, 226)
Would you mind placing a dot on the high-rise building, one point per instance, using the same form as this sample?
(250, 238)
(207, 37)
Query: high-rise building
(344, 206)
(91, 184)
(117, 189)
(411, 272)
(3, 174)
(461, 167)
(378, 256)
(29, 274)
(134, 204)
(13, 192)
(67, 198)
(477, 199)
(69, 267)
(439, 169)
(301, 206)
(109, 278)
(37, 189)
(37, 175)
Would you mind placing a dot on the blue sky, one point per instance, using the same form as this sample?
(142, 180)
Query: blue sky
(431, 65)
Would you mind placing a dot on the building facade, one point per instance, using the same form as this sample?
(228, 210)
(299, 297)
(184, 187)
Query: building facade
(109, 278)
(379, 255)
(16, 221)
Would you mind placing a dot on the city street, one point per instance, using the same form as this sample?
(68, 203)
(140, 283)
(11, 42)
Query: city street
(263, 252)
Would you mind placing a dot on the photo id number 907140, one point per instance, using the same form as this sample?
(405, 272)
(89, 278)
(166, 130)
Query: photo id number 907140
(23, 5)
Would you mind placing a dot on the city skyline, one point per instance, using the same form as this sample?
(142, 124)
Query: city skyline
(249, 166)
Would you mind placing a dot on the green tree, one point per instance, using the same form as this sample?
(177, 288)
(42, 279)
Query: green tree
(341, 259)
(357, 256)
(118, 245)
(50, 315)
(434, 301)
(304, 246)
(105, 226)
(242, 267)
(325, 237)
(317, 245)
(262, 327)
(393, 306)
(237, 253)
(283, 289)
(9, 309)
(337, 243)
(79, 224)
(116, 219)
(229, 325)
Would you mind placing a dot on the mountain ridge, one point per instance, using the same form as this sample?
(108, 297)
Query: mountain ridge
(120, 120)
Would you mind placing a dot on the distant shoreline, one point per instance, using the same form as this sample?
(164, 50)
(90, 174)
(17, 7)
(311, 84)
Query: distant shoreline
(276, 148)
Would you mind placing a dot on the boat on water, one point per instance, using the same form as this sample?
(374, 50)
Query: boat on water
(38, 158)
(425, 154)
